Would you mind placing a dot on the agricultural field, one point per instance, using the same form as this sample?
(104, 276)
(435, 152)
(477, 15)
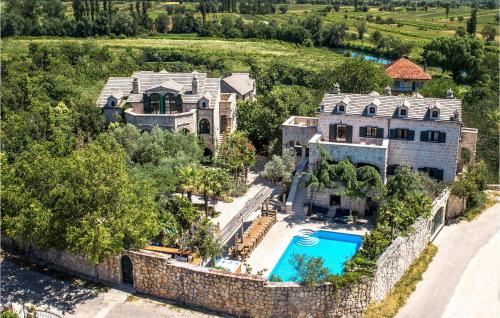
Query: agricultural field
(234, 52)
(417, 27)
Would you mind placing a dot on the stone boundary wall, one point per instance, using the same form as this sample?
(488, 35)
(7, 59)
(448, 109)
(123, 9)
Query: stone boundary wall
(244, 295)
(235, 294)
(396, 259)
(108, 271)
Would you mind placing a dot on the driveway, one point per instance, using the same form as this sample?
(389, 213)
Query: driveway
(23, 282)
(463, 280)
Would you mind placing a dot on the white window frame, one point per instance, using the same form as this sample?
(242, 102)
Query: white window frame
(371, 131)
(337, 133)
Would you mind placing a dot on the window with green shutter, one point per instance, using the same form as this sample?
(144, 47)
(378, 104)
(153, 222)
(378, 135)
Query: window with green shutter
(146, 104)
(332, 133)
(362, 131)
(348, 135)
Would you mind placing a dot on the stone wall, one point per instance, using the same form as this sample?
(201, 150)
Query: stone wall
(108, 271)
(243, 295)
(394, 262)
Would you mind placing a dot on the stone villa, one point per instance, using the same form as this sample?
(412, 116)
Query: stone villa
(408, 77)
(385, 132)
(186, 102)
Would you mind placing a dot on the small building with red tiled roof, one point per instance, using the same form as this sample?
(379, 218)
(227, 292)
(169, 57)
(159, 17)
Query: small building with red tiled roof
(408, 76)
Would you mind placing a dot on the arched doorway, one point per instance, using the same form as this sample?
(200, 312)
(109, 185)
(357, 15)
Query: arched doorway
(127, 270)
(204, 126)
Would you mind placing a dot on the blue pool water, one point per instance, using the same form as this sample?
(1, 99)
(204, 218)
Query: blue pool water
(335, 249)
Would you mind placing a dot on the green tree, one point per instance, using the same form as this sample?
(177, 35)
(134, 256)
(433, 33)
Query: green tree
(83, 203)
(189, 176)
(183, 210)
(161, 23)
(437, 87)
(335, 35)
(280, 169)
(362, 77)
(489, 32)
(261, 119)
(472, 22)
(237, 153)
(204, 240)
(318, 179)
(455, 54)
(362, 28)
(309, 271)
(209, 183)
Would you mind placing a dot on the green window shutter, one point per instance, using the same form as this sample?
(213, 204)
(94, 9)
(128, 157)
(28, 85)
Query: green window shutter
(392, 133)
(332, 133)
(146, 104)
(442, 137)
(439, 174)
(162, 104)
(362, 131)
(411, 135)
(348, 135)
(380, 132)
(424, 136)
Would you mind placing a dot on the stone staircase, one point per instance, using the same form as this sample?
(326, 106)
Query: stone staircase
(300, 199)
(221, 138)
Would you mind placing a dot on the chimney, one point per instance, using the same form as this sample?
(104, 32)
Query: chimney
(387, 91)
(449, 93)
(194, 90)
(336, 89)
(136, 86)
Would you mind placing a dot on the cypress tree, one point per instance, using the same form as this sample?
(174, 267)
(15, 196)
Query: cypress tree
(472, 23)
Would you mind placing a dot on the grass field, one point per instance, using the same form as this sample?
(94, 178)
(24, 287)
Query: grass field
(236, 52)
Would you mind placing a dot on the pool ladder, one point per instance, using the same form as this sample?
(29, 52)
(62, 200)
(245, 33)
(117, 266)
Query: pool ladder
(306, 238)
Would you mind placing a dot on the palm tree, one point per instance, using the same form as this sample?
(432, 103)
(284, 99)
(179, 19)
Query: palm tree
(221, 184)
(320, 178)
(189, 176)
(206, 185)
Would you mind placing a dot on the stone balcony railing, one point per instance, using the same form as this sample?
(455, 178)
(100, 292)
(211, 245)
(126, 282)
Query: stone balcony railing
(300, 121)
(375, 143)
(171, 122)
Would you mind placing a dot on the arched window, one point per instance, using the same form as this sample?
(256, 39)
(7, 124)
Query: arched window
(154, 100)
(372, 110)
(204, 126)
(113, 103)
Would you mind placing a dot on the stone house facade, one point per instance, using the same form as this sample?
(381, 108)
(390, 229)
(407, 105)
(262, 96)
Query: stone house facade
(179, 102)
(384, 132)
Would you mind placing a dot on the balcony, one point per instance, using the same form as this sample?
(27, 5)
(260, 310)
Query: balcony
(299, 121)
(172, 122)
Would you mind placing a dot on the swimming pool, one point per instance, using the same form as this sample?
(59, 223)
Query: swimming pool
(335, 248)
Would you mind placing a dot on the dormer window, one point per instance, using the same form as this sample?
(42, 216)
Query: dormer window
(341, 108)
(204, 104)
(113, 104)
(372, 110)
(434, 110)
(403, 112)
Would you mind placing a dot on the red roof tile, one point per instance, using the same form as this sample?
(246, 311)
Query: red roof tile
(404, 69)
